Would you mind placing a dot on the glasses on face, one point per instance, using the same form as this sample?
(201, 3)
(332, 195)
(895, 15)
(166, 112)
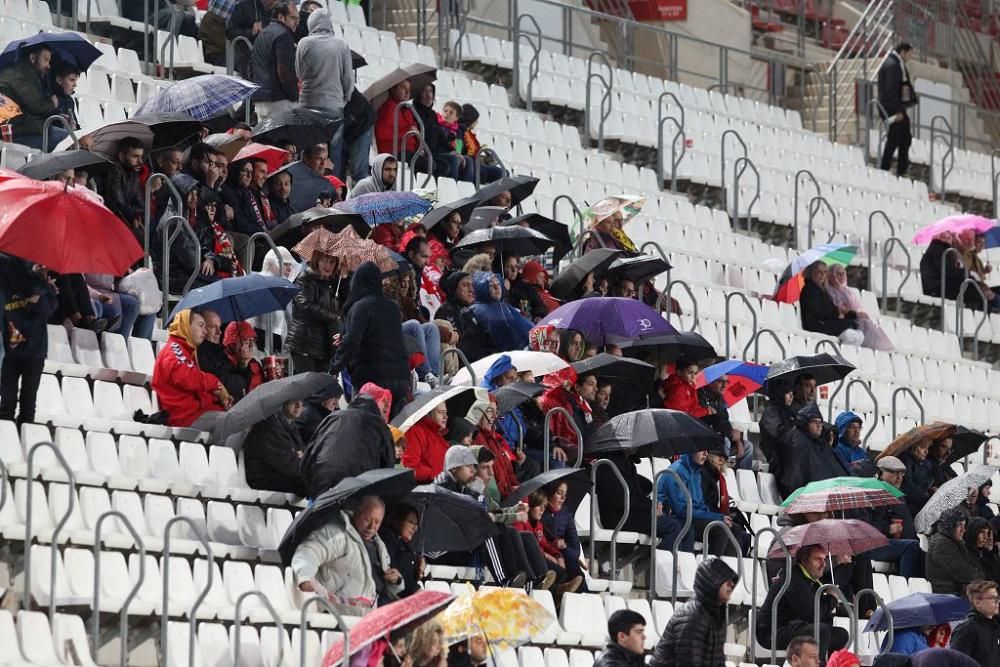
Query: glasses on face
(246, 171)
(990, 598)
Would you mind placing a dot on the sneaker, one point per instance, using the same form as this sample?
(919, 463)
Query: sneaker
(570, 586)
(517, 581)
(547, 581)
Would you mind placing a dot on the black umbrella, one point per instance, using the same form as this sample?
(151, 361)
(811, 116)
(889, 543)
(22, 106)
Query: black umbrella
(520, 241)
(631, 379)
(332, 220)
(440, 212)
(261, 403)
(298, 125)
(638, 267)
(512, 395)
(483, 217)
(449, 521)
(660, 348)
(556, 231)
(357, 60)
(572, 276)
(577, 483)
(654, 432)
(174, 128)
(47, 166)
(458, 398)
(520, 188)
(383, 482)
(824, 367)
(964, 442)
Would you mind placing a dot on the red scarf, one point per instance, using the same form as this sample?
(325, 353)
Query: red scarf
(723, 495)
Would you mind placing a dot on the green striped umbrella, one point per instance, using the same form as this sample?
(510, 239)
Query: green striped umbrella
(834, 482)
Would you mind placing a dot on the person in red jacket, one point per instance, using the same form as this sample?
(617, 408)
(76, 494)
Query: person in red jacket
(185, 391)
(572, 393)
(385, 118)
(680, 393)
(503, 468)
(240, 342)
(426, 446)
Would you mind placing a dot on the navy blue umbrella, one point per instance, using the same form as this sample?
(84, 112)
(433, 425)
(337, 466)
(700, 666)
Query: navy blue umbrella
(919, 609)
(236, 299)
(67, 46)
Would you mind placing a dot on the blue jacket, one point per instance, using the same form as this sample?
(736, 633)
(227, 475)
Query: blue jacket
(507, 425)
(847, 453)
(908, 641)
(506, 328)
(668, 493)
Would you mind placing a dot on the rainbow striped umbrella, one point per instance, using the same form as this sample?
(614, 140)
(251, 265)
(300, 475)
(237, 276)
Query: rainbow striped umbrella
(744, 378)
(793, 277)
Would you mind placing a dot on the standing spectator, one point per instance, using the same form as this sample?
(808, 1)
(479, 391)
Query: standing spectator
(65, 76)
(820, 314)
(317, 408)
(123, 194)
(381, 179)
(273, 450)
(849, 447)
(978, 636)
(212, 31)
(248, 20)
(359, 118)
(273, 62)
(25, 341)
(425, 445)
(696, 633)
(323, 64)
(315, 327)
(627, 631)
(950, 565)
(896, 95)
(397, 534)
(736, 445)
(24, 82)
(386, 141)
(812, 451)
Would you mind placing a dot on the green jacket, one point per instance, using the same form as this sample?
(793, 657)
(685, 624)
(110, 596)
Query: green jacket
(22, 84)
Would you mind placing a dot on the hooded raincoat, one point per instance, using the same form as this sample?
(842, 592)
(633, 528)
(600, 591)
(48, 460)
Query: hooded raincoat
(951, 566)
(504, 328)
(846, 452)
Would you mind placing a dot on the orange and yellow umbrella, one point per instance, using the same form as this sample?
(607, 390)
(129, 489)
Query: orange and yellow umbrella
(507, 617)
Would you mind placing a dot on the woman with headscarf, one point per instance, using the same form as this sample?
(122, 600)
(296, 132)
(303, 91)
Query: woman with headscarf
(184, 390)
(372, 348)
(444, 235)
(242, 192)
(240, 343)
(273, 452)
(572, 345)
(280, 265)
(969, 243)
(606, 228)
(820, 314)
(846, 300)
(937, 267)
(446, 161)
(504, 328)
(951, 565)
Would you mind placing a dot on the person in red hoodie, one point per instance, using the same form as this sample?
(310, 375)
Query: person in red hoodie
(485, 414)
(384, 121)
(239, 342)
(185, 391)
(426, 446)
(680, 393)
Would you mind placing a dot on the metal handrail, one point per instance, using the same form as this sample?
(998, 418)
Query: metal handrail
(231, 52)
(871, 235)
(303, 626)
(837, 593)
(995, 181)
(582, 239)
(746, 153)
(944, 275)
(405, 104)
(712, 525)
(605, 99)
(594, 511)
(739, 167)
(148, 212)
(885, 611)
(829, 343)
(960, 319)
(814, 205)
(483, 153)
(192, 612)
(753, 312)
(168, 240)
(916, 399)
(422, 149)
(546, 438)
(576, 212)
(949, 155)
(677, 541)
(873, 103)
(681, 134)
(847, 406)
(251, 251)
(123, 613)
(795, 201)
(536, 49)
(833, 395)
(61, 120)
(755, 341)
(754, 609)
(29, 535)
(464, 360)
(887, 247)
(664, 303)
(238, 623)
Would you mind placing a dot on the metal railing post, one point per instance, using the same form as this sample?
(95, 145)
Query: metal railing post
(168, 240)
(676, 546)
(814, 205)
(123, 614)
(401, 157)
(605, 98)
(739, 167)
(753, 313)
(871, 233)
(835, 591)
(577, 213)
(885, 611)
(916, 399)
(303, 626)
(871, 395)
(887, 247)
(746, 153)
(547, 436)
(251, 251)
(664, 302)
(795, 201)
(754, 607)
(192, 612)
(679, 122)
(536, 48)
(480, 156)
(594, 512)
(231, 54)
(238, 622)
(147, 212)
(464, 360)
(960, 318)
(948, 158)
(61, 120)
(995, 181)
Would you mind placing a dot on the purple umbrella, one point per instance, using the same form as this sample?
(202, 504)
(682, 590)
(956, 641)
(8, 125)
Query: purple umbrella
(605, 320)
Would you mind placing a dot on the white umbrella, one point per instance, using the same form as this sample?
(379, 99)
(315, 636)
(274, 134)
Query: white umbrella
(104, 140)
(419, 76)
(539, 363)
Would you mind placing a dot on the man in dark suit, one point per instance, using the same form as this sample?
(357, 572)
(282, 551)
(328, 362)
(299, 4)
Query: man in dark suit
(895, 94)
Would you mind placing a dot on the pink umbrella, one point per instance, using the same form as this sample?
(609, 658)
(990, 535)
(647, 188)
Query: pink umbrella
(842, 537)
(953, 224)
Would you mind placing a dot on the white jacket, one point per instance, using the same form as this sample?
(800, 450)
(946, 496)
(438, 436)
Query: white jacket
(335, 556)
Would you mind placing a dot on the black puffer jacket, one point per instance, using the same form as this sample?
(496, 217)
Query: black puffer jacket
(814, 458)
(696, 633)
(614, 655)
(315, 317)
(795, 605)
(951, 566)
(820, 314)
(979, 638)
(917, 482)
(347, 443)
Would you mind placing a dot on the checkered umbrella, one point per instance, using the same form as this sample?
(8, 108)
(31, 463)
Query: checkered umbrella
(841, 537)
(379, 208)
(835, 483)
(201, 97)
(841, 498)
(367, 251)
(319, 240)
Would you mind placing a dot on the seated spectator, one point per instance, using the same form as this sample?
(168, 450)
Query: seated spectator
(554, 560)
(803, 651)
(446, 161)
(444, 235)
(484, 414)
(937, 270)
(736, 445)
(201, 164)
(273, 451)
(425, 445)
(502, 327)
(896, 523)
(937, 458)
(217, 251)
(795, 611)
(560, 526)
(606, 227)
(402, 289)
(183, 249)
(849, 447)
(805, 391)
(978, 636)
(571, 346)
(811, 451)
(572, 394)
(317, 407)
(279, 189)
(524, 296)
(280, 265)
(715, 491)
(118, 305)
(390, 234)
(349, 442)
(602, 399)
(951, 566)
(511, 425)
(397, 534)
(696, 633)
(457, 288)
(910, 640)
(315, 328)
(843, 658)
(123, 192)
(212, 355)
(627, 630)
(982, 509)
(382, 178)
(65, 76)
(386, 121)
(680, 393)
(979, 542)
(535, 277)
(24, 82)
(240, 343)
(918, 484)
(346, 558)
(611, 502)
(846, 300)
(467, 120)
(820, 314)
(185, 391)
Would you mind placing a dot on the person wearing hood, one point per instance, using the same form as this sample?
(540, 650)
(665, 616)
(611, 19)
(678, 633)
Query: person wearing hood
(978, 636)
(849, 446)
(776, 427)
(426, 446)
(349, 442)
(280, 265)
(820, 314)
(511, 424)
(372, 348)
(314, 330)
(811, 451)
(979, 542)
(696, 633)
(273, 450)
(627, 630)
(941, 657)
(240, 343)
(446, 161)
(183, 248)
(382, 178)
(918, 484)
(951, 565)
(536, 278)
(504, 327)
(391, 127)
(484, 414)
(317, 407)
(459, 295)
(185, 391)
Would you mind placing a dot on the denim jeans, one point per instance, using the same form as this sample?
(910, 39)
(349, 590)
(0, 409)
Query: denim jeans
(56, 134)
(904, 552)
(744, 462)
(358, 153)
(429, 338)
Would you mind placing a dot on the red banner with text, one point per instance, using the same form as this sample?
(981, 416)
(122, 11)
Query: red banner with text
(659, 10)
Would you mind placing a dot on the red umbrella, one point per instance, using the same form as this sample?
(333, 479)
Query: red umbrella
(842, 537)
(9, 175)
(65, 229)
(273, 156)
(400, 616)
